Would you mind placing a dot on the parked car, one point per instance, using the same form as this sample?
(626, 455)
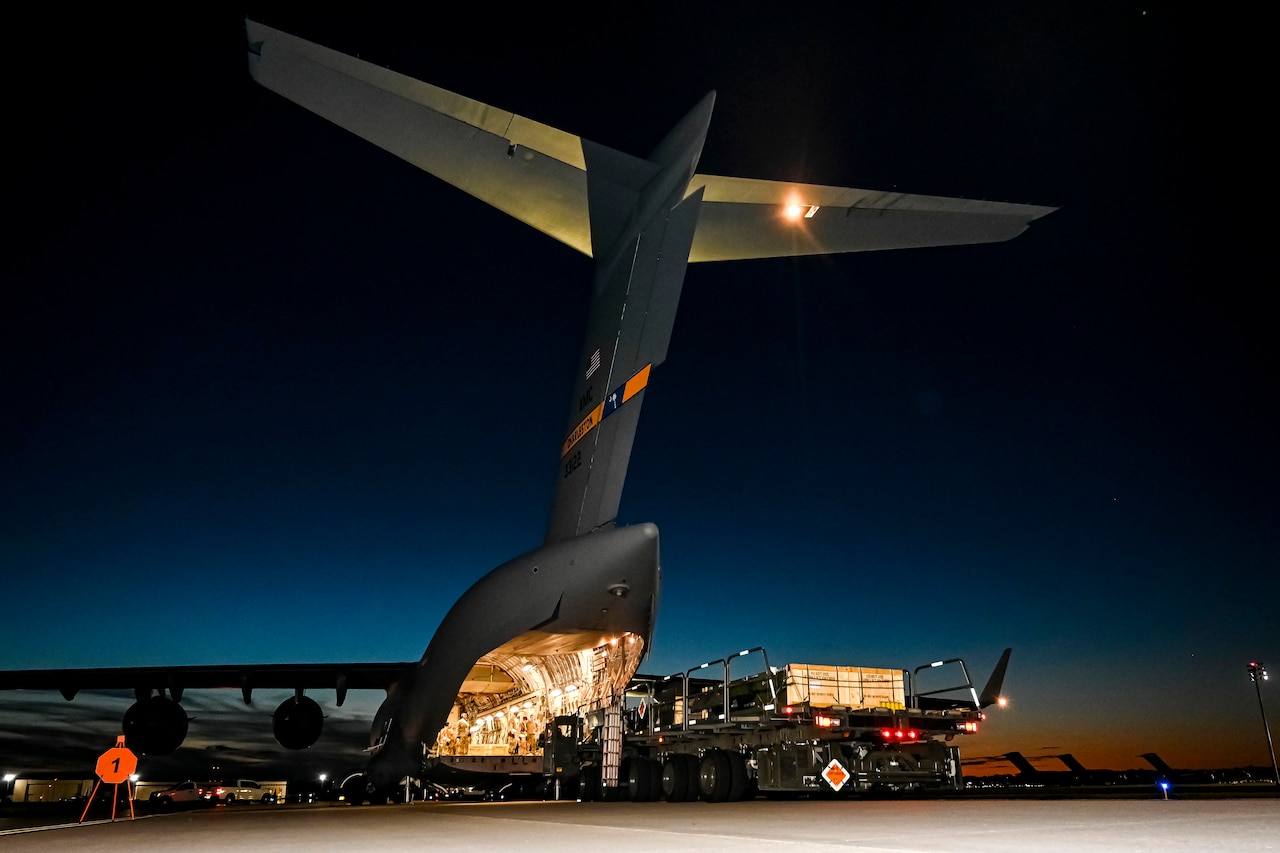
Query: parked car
(185, 793)
(239, 790)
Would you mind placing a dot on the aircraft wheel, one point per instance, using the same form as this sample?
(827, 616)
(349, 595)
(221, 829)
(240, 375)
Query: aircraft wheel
(385, 796)
(354, 791)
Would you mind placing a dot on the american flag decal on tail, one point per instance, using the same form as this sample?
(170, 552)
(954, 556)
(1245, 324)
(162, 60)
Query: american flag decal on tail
(594, 365)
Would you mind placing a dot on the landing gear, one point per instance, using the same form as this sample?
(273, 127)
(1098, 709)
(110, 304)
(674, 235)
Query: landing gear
(357, 791)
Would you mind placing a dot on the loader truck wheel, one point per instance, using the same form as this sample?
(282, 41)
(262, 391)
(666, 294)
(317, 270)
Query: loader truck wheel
(680, 777)
(589, 788)
(715, 776)
(738, 781)
(644, 779)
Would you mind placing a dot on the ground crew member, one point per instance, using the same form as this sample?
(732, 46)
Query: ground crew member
(530, 735)
(464, 736)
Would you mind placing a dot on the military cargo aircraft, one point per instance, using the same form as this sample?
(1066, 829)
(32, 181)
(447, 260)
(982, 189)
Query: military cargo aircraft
(570, 620)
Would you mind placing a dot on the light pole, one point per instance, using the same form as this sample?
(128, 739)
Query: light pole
(1257, 674)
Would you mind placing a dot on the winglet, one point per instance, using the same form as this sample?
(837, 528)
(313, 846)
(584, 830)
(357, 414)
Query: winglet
(991, 693)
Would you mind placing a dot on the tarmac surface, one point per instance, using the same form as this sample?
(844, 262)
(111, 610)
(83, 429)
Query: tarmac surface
(872, 826)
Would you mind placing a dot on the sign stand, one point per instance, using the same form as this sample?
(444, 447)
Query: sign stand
(115, 765)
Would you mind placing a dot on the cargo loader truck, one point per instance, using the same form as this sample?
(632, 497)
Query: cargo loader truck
(713, 734)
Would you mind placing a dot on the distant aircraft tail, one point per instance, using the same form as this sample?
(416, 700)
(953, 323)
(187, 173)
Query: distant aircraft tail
(991, 693)
(1018, 760)
(1157, 762)
(1072, 763)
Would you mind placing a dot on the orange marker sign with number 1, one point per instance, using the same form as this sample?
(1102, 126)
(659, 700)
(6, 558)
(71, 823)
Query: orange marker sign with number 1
(117, 764)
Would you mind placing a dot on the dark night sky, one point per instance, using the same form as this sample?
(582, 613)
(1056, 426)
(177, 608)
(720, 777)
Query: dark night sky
(272, 395)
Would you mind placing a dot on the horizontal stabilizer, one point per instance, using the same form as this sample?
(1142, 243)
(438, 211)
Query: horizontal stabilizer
(743, 218)
(538, 174)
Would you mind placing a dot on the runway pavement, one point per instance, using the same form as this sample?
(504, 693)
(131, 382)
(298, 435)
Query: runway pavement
(873, 826)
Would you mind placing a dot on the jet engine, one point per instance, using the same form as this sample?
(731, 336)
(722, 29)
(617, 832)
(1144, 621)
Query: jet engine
(297, 722)
(155, 726)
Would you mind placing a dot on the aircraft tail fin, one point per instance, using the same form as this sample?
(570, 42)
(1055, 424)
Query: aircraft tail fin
(642, 225)
(1072, 763)
(1157, 762)
(1018, 760)
(991, 693)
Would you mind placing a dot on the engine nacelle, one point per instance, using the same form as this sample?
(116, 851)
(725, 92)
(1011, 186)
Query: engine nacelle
(297, 722)
(154, 726)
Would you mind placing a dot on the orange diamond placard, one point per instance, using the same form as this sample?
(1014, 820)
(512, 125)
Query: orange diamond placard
(835, 774)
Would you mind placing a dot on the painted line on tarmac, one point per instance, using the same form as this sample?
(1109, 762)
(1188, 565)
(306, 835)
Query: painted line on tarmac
(25, 829)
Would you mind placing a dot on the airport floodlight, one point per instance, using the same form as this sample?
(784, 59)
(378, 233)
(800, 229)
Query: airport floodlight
(9, 777)
(1258, 674)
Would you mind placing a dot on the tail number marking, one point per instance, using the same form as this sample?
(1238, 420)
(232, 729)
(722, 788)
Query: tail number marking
(571, 463)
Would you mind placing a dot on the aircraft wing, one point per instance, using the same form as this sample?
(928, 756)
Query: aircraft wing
(537, 173)
(175, 679)
(529, 170)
